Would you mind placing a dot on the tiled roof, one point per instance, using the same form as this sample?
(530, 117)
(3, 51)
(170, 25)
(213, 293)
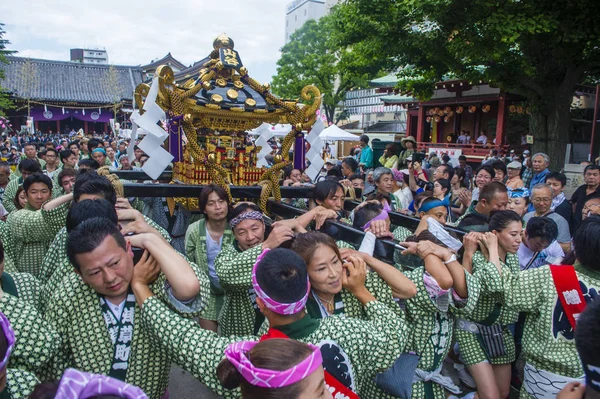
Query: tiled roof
(398, 99)
(166, 60)
(190, 72)
(387, 127)
(65, 81)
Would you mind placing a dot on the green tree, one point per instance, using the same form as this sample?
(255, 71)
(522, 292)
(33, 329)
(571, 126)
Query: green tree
(30, 80)
(539, 49)
(311, 58)
(113, 87)
(5, 102)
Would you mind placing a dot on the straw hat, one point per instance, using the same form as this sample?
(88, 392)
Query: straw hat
(408, 138)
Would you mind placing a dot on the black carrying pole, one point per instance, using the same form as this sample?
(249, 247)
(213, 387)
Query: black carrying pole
(190, 191)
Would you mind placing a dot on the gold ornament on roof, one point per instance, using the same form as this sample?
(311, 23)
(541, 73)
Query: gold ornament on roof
(214, 118)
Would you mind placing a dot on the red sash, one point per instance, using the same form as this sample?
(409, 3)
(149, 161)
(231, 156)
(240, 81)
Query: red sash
(336, 388)
(569, 291)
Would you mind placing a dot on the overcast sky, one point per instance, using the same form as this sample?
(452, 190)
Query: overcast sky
(135, 32)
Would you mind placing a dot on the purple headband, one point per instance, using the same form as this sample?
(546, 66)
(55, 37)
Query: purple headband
(382, 216)
(253, 215)
(10, 339)
(76, 384)
(279, 308)
(236, 353)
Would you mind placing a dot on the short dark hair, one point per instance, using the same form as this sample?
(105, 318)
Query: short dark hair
(365, 214)
(449, 170)
(66, 172)
(335, 173)
(445, 183)
(51, 150)
(364, 139)
(31, 144)
(88, 235)
(94, 143)
(36, 178)
(586, 241)
(351, 162)
(542, 227)
(29, 165)
(90, 163)
(560, 177)
(591, 167)
(89, 209)
(500, 220)
(207, 191)
(355, 176)
(325, 189)
(462, 158)
(499, 165)
(73, 143)
(494, 152)
(488, 169)
(65, 154)
(282, 274)
(242, 208)
(92, 183)
(489, 191)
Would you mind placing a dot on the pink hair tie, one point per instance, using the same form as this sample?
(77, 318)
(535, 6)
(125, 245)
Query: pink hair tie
(237, 352)
(277, 307)
(382, 216)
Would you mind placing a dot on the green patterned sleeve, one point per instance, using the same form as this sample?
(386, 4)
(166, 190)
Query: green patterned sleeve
(235, 268)
(382, 292)
(464, 306)
(56, 253)
(196, 350)
(20, 383)
(421, 302)
(526, 291)
(191, 241)
(58, 316)
(387, 337)
(29, 226)
(343, 244)
(156, 227)
(9, 252)
(487, 274)
(56, 218)
(37, 342)
(9, 195)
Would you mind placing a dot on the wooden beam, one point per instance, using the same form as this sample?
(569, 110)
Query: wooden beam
(500, 122)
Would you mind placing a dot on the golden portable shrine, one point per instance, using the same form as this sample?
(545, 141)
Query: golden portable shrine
(215, 109)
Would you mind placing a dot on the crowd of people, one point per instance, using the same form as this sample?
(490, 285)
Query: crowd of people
(492, 271)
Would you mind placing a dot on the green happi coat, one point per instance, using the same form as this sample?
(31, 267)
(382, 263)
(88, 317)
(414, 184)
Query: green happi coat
(56, 265)
(548, 337)
(22, 285)
(19, 384)
(9, 252)
(354, 309)
(489, 310)
(36, 342)
(431, 329)
(239, 315)
(198, 351)
(10, 193)
(32, 232)
(195, 248)
(76, 313)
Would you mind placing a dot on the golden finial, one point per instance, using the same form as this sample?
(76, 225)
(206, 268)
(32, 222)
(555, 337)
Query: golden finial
(223, 41)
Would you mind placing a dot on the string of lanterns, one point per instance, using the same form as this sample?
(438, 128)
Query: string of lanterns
(438, 114)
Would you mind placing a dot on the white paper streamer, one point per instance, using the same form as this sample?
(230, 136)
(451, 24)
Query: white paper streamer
(265, 134)
(314, 153)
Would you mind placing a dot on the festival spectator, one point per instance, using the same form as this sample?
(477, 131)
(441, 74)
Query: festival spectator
(493, 197)
(518, 201)
(462, 138)
(384, 181)
(409, 143)
(66, 179)
(468, 175)
(389, 159)
(366, 153)
(527, 172)
(68, 159)
(74, 147)
(483, 175)
(443, 172)
(26, 168)
(125, 164)
(358, 181)
(110, 154)
(482, 139)
(591, 189)
(349, 167)
(402, 191)
(560, 204)
(514, 181)
(591, 207)
(52, 164)
(499, 170)
(540, 163)
(541, 198)
(539, 246)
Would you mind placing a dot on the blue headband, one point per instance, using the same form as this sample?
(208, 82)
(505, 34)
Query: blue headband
(430, 205)
(99, 150)
(518, 193)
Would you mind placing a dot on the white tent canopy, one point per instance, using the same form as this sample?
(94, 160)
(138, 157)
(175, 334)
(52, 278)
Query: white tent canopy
(278, 130)
(334, 133)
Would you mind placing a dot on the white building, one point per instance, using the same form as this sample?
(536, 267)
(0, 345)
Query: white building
(365, 107)
(89, 56)
(300, 11)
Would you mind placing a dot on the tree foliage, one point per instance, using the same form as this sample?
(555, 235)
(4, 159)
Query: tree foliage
(312, 58)
(30, 80)
(5, 102)
(539, 49)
